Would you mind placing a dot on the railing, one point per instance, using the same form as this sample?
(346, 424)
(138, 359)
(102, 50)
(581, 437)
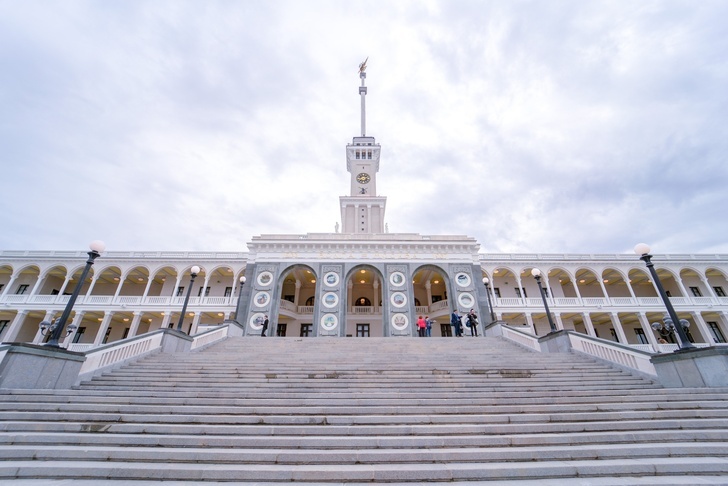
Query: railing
(421, 310)
(116, 353)
(209, 337)
(594, 301)
(439, 305)
(567, 301)
(615, 353)
(80, 348)
(305, 309)
(287, 305)
(98, 299)
(521, 338)
(619, 301)
(362, 309)
(157, 300)
(128, 300)
(215, 300)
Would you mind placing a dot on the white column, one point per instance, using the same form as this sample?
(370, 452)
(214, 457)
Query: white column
(617, 325)
(166, 320)
(65, 284)
(589, 325)
(227, 316)
(176, 285)
(604, 289)
(428, 287)
(37, 285)
(520, 288)
(576, 288)
(559, 322)
(375, 294)
(10, 283)
(350, 295)
(122, 279)
(146, 289)
(15, 326)
(134, 328)
(529, 321)
(297, 293)
(678, 281)
(77, 319)
(629, 287)
(103, 327)
(204, 287)
(647, 329)
(703, 326)
(195, 323)
(91, 287)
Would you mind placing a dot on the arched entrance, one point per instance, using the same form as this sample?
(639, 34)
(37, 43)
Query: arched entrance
(364, 315)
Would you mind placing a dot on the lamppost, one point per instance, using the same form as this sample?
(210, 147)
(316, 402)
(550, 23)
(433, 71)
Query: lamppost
(55, 328)
(486, 282)
(537, 275)
(193, 273)
(644, 250)
(240, 290)
(666, 327)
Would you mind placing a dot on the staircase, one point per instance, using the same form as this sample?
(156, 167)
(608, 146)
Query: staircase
(363, 410)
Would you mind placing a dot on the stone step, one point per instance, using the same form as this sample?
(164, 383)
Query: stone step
(452, 471)
(343, 429)
(254, 455)
(373, 442)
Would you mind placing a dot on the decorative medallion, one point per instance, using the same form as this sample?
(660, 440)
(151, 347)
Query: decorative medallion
(398, 299)
(462, 279)
(330, 300)
(261, 299)
(256, 321)
(400, 322)
(329, 322)
(331, 279)
(265, 279)
(466, 300)
(397, 279)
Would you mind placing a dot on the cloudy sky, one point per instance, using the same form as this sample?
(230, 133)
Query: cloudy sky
(538, 127)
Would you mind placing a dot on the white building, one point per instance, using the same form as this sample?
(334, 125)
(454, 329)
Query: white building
(362, 281)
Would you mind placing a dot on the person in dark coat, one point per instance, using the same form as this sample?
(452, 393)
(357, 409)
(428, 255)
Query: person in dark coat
(455, 321)
(265, 326)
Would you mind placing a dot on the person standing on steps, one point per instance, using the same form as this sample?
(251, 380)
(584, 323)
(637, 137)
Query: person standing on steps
(428, 329)
(455, 322)
(421, 326)
(473, 321)
(265, 326)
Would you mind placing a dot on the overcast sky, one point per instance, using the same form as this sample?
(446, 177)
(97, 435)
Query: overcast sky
(536, 127)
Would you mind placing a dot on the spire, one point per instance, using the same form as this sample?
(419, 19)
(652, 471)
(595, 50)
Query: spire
(363, 93)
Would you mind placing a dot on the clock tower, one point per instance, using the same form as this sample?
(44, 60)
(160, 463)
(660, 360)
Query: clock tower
(362, 211)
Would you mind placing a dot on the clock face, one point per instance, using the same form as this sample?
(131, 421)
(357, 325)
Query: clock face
(363, 178)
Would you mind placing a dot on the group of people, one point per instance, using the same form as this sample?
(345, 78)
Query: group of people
(469, 320)
(424, 326)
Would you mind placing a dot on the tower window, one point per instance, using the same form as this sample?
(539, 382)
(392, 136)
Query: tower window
(357, 155)
(369, 154)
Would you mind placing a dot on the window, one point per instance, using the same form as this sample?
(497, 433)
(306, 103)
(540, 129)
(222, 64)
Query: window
(596, 332)
(228, 291)
(696, 292)
(281, 330)
(207, 291)
(180, 291)
(309, 301)
(690, 336)
(718, 291)
(106, 337)
(3, 326)
(446, 330)
(289, 298)
(545, 291)
(363, 301)
(667, 292)
(718, 336)
(436, 298)
(55, 292)
(362, 330)
(126, 333)
(614, 334)
(496, 291)
(79, 334)
(520, 292)
(22, 289)
(306, 330)
(1, 287)
(641, 338)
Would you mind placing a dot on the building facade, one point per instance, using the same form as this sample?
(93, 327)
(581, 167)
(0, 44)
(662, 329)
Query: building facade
(358, 281)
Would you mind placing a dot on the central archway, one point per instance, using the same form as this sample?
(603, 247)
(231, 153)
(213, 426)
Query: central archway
(364, 317)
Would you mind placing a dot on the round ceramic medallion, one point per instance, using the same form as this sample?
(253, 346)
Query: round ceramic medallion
(331, 279)
(265, 279)
(256, 321)
(396, 279)
(466, 300)
(462, 279)
(329, 322)
(398, 299)
(261, 299)
(330, 300)
(400, 322)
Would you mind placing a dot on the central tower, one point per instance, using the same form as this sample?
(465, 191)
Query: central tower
(362, 211)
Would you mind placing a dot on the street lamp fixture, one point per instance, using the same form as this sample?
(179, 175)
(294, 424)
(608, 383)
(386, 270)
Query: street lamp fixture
(486, 282)
(537, 275)
(666, 327)
(55, 328)
(193, 273)
(644, 251)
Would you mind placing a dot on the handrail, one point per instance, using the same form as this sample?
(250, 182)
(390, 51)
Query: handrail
(210, 336)
(520, 337)
(614, 352)
(114, 354)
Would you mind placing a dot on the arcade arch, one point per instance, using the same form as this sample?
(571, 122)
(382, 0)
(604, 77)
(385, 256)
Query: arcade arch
(364, 285)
